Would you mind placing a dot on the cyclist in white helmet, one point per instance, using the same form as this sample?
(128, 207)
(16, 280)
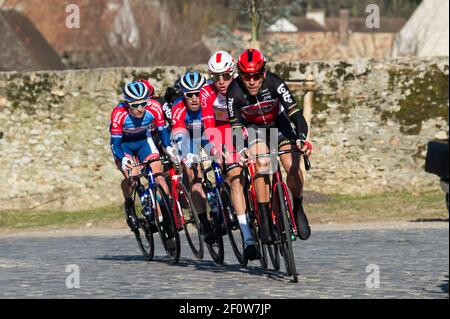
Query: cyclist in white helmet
(221, 66)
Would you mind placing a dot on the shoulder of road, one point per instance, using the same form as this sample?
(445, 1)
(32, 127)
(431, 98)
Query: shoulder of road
(105, 232)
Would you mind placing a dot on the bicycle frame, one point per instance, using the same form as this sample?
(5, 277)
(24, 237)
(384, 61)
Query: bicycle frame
(277, 180)
(215, 167)
(176, 176)
(252, 192)
(150, 179)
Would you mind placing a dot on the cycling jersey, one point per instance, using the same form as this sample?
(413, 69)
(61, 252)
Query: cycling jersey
(125, 128)
(215, 115)
(273, 99)
(186, 121)
(214, 106)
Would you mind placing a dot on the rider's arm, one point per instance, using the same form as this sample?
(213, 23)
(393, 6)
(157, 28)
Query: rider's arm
(179, 135)
(234, 97)
(294, 111)
(208, 119)
(155, 109)
(207, 109)
(118, 117)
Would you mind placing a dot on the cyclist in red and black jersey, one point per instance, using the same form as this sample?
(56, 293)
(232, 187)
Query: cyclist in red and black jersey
(258, 101)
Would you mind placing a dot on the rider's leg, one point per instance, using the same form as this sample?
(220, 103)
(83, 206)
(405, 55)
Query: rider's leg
(158, 174)
(199, 201)
(127, 191)
(262, 180)
(149, 151)
(295, 182)
(238, 202)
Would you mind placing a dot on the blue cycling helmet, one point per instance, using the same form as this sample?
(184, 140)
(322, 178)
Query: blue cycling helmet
(192, 81)
(135, 91)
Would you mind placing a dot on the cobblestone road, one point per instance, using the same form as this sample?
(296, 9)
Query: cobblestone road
(413, 263)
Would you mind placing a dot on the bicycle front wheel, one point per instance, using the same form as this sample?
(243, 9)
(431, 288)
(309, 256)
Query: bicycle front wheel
(232, 224)
(274, 254)
(191, 221)
(165, 223)
(143, 234)
(284, 231)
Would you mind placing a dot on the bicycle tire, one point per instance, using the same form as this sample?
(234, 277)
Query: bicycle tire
(274, 255)
(146, 246)
(234, 231)
(165, 223)
(285, 235)
(216, 248)
(262, 252)
(191, 225)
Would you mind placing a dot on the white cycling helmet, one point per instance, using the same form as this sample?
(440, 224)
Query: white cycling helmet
(220, 62)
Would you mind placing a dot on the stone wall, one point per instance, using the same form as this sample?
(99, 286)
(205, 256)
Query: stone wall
(371, 122)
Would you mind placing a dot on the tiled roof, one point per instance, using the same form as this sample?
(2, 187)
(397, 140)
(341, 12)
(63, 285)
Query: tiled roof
(387, 25)
(22, 46)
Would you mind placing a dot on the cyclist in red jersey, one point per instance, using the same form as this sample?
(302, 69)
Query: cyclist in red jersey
(221, 66)
(258, 101)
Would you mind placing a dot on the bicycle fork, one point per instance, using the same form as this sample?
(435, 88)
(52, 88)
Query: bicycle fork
(177, 211)
(280, 186)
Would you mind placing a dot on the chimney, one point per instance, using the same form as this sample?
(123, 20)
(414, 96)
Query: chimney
(317, 15)
(344, 25)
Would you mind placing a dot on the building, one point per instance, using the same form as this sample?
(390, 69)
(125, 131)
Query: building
(23, 47)
(112, 32)
(341, 37)
(426, 33)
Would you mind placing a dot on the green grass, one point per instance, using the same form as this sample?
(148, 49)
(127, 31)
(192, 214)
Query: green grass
(399, 206)
(29, 220)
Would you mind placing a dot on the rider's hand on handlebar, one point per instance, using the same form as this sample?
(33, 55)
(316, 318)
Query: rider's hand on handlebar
(172, 154)
(216, 155)
(126, 163)
(190, 159)
(304, 146)
(243, 156)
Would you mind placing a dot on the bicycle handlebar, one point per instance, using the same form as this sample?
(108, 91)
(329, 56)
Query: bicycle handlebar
(278, 153)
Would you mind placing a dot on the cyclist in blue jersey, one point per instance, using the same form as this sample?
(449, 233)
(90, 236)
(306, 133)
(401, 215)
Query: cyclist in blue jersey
(131, 138)
(188, 134)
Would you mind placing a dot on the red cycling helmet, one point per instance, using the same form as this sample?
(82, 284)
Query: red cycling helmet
(150, 87)
(251, 61)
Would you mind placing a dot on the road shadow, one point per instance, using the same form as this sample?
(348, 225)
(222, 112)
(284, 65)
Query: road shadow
(121, 258)
(444, 285)
(429, 220)
(205, 265)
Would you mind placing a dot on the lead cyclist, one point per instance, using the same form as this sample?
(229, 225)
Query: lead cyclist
(258, 101)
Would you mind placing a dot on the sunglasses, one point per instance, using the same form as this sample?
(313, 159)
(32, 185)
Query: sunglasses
(255, 76)
(136, 106)
(225, 76)
(190, 95)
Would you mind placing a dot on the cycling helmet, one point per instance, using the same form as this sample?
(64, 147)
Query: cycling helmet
(151, 89)
(192, 81)
(177, 85)
(221, 62)
(135, 91)
(251, 61)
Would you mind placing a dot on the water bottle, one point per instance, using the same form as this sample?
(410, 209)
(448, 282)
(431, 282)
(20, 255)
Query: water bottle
(145, 203)
(212, 203)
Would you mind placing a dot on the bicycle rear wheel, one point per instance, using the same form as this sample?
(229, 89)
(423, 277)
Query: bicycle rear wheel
(232, 224)
(284, 231)
(166, 224)
(191, 221)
